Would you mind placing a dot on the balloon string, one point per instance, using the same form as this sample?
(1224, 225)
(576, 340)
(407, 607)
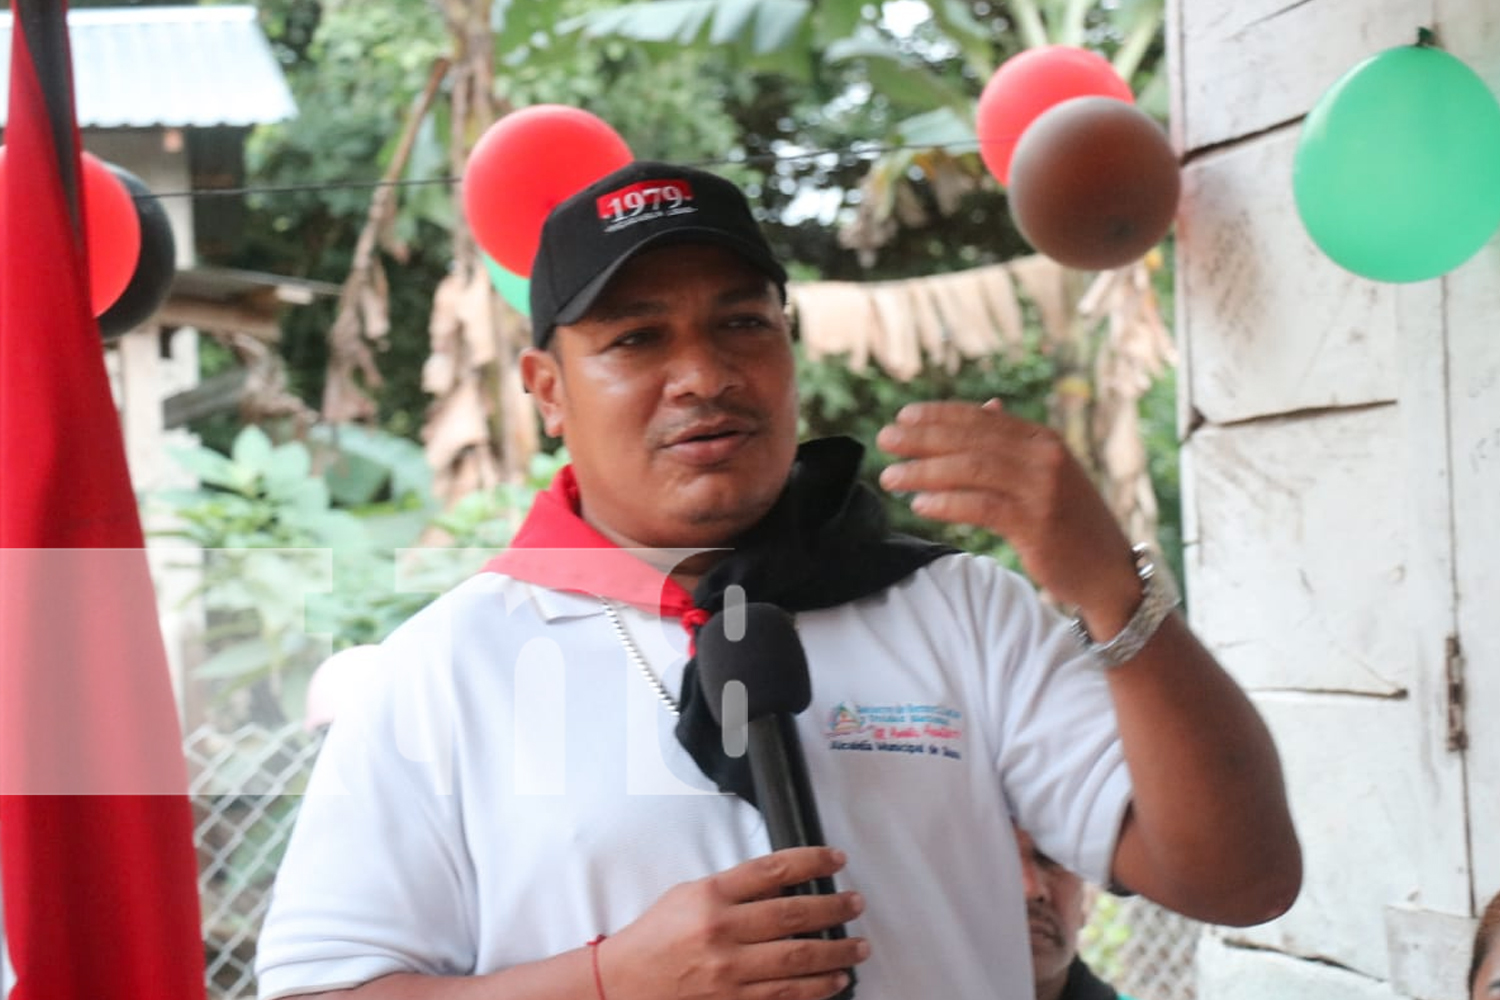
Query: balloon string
(869, 151)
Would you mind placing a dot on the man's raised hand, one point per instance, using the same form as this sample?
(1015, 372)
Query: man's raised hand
(981, 466)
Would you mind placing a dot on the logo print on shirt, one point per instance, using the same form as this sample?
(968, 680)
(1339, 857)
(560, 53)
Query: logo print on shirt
(844, 721)
(910, 728)
(644, 201)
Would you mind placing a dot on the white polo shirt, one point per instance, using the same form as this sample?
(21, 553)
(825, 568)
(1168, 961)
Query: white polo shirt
(508, 786)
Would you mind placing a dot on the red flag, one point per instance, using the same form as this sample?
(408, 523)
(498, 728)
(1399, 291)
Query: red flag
(96, 849)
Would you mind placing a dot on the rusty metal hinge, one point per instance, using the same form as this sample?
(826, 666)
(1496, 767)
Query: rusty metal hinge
(1453, 664)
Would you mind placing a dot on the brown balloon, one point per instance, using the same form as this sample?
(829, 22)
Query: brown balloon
(1094, 183)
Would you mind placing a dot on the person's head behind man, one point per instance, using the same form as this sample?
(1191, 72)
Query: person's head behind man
(1057, 904)
(662, 356)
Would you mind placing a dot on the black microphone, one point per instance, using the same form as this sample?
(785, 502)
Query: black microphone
(765, 658)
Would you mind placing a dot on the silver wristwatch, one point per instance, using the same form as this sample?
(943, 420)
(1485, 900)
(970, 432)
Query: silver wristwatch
(1158, 597)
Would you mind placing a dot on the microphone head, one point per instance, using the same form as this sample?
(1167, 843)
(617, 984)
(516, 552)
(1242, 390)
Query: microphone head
(766, 656)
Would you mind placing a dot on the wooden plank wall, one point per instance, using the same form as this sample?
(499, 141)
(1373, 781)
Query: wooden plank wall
(1471, 29)
(1342, 500)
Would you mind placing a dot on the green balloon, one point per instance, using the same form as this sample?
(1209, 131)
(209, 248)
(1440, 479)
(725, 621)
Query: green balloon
(1397, 171)
(513, 288)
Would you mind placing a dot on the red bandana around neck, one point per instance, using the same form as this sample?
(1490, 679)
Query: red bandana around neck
(823, 544)
(557, 548)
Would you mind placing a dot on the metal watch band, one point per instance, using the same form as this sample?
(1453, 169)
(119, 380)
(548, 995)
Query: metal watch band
(1158, 598)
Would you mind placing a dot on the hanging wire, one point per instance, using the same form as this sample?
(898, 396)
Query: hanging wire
(864, 152)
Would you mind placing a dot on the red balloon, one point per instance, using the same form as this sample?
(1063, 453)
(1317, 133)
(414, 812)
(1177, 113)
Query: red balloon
(1029, 83)
(1094, 183)
(525, 164)
(112, 230)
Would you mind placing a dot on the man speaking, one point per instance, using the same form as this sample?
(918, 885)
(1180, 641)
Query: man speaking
(532, 798)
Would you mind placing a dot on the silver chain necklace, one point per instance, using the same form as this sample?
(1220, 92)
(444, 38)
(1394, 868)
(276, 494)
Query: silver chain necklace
(634, 653)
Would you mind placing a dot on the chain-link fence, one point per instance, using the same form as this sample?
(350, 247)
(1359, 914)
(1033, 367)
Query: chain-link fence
(247, 784)
(1142, 950)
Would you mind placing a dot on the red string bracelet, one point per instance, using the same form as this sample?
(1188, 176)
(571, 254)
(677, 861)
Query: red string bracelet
(594, 958)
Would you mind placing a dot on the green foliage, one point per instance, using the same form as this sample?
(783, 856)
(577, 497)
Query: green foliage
(487, 519)
(1159, 430)
(261, 495)
(897, 75)
(943, 126)
(761, 26)
(354, 69)
(258, 850)
(289, 575)
(270, 537)
(1159, 434)
(788, 97)
(666, 101)
(355, 77)
(366, 465)
(977, 40)
(353, 82)
(1103, 941)
(747, 85)
(836, 400)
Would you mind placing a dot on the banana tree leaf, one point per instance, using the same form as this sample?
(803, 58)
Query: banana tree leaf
(836, 19)
(1154, 98)
(252, 448)
(777, 24)
(898, 79)
(943, 127)
(732, 21)
(759, 26)
(208, 465)
(243, 659)
(286, 468)
(957, 22)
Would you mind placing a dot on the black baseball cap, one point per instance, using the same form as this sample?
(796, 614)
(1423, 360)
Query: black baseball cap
(590, 236)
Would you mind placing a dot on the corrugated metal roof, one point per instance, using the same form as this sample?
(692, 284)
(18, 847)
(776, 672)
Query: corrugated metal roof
(137, 67)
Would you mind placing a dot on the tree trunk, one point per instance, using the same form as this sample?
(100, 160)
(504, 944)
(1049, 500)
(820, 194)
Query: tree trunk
(481, 431)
